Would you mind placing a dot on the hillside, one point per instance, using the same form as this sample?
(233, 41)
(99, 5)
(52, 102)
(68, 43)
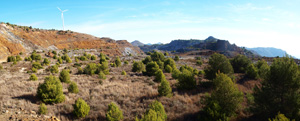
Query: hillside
(15, 39)
(211, 43)
(268, 51)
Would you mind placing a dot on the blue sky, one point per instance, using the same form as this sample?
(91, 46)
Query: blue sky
(250, 23)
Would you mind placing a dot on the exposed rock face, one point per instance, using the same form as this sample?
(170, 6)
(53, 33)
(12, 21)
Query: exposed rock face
(15, 39)
(127, 48)
(211, 43)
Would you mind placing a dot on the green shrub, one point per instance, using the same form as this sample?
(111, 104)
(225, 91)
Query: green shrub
(46, 61)
(103, 58)
(59, 60)
(159, 76)
(80, 70)
(138, 67)
(252, 72)
(54, 69)
(76, 59)
(186, 80)
(164, 89)
(160, 64)
(18, 58)
(151, 68)
(28, 59)
(81, 108)
(93, 57)
(175, 73)
(147, 60)
(83, 58)
(186, 67)
(218, 63)
(37, 65)
(280, 117)
(33, 70)
(35, 56)
(263, 69)
(279, 92)
(159, 109)
(199, 62)
(124, 73)
(68, 59)
(73, 88)
(43, 109)
(170, 62)
(118, 62)
(126, 62)
(168, 69)
(89, 56)
(54, 52)
(11, 58)
(65, 50)
(90, 69)
(114, 113)
(224, 101)
(157, 56)
(176, 58)
(64, 76)
(198, 58)
(166, 54)
(156, 112)
(103, 67)
(113, 65)
(33, 77)
(50, 91)
(240, 63)
(102, 75)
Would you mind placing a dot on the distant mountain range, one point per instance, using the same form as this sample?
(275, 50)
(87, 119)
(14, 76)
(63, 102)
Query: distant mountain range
(268, 51)
(211, 43)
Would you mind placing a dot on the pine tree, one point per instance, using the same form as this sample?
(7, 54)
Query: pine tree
(118, 62)
(64, 76)
(51, 90)
(81, 108)
(138, 67)
(114, 113)
(151, 68)
(279, 92)
(73, 88)
(164, 89)
(159, 76)
(240, 63)
(218, 63)
(186, 80)
(224, 101)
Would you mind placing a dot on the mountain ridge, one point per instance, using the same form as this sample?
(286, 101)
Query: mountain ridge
(269, 51)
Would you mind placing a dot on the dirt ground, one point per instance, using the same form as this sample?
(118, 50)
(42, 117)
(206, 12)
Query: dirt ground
(133, 92)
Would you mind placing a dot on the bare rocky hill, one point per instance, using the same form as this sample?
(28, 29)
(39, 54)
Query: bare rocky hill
(15, 39)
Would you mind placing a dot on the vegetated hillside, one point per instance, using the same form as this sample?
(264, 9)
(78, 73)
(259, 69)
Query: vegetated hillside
(15, 39)
(268, 51)
(137, 43)
(211, 43)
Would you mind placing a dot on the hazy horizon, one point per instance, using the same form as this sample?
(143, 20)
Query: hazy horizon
(245, 23)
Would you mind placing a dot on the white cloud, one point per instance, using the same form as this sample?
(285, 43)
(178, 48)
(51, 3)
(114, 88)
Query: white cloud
(247, 7)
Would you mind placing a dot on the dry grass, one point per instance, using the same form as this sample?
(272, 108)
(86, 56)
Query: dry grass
(133, 93)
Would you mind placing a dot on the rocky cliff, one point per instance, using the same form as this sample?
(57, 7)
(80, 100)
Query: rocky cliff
(15, 39)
